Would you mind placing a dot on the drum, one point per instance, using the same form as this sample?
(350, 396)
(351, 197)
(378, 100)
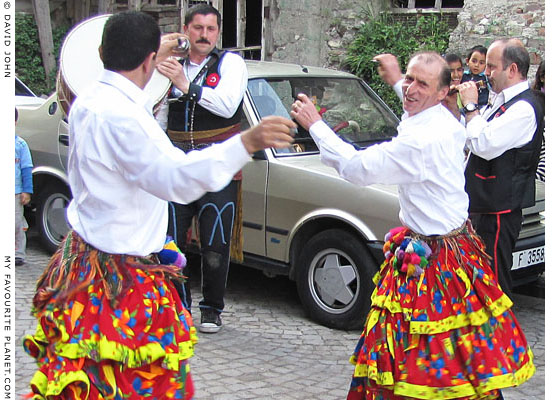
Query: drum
(80, 64)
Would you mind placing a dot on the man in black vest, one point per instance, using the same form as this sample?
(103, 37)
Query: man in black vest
(504, 139)
(204, 106)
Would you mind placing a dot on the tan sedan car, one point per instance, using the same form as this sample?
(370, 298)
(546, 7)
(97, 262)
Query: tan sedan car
(300, 218)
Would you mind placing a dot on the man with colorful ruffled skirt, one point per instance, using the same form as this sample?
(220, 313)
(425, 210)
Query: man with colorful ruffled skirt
(110, 321)
(439, 327)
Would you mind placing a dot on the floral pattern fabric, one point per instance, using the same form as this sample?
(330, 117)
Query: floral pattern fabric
(441, 330)
(109, 326)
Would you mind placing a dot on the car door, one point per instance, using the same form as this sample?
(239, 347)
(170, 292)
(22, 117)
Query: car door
(254, 183)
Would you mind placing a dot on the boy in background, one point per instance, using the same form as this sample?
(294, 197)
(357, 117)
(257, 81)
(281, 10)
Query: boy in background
(24, 189)
(453, 101)
(476, 64)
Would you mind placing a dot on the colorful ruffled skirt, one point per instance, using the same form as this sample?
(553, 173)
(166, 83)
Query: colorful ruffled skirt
(439, 326)
(109, 327)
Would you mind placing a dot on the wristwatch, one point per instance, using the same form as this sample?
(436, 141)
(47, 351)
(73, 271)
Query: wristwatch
(470, 107)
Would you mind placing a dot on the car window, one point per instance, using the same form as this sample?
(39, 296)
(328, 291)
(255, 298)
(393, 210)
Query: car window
(347, 105)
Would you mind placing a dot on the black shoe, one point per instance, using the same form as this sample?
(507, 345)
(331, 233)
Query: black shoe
(19, 261)
(211, 322)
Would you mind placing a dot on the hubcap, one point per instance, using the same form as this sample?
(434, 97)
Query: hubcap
(54, 217)
(334, 281)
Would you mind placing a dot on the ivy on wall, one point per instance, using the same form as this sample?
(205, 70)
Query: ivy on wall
(28, 62)
(383, 34)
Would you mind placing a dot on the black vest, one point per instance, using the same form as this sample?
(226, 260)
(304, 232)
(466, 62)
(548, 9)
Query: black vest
(202, 119)
(507, 182)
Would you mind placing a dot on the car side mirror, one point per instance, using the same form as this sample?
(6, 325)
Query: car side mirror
(52, 108)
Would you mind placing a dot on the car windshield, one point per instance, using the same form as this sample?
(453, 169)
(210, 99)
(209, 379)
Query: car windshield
(347, 105)
(22, 90)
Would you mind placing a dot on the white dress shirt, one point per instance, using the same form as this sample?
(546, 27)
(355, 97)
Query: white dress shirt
(123, 169)
(425, 160)
(222, 100)
(513, 129)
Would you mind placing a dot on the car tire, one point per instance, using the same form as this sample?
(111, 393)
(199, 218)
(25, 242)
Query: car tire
(334, 279)
(51, 220)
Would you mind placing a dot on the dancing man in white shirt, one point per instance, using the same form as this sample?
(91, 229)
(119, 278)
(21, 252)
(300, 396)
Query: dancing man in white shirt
(505, 140)
(205, 107)
(111, 323)
(439, 326)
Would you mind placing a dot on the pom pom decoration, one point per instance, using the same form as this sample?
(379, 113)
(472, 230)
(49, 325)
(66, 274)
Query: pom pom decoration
(171, 254)
(406, 254)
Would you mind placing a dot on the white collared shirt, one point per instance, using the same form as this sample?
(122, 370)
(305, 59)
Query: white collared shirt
(224, 99)
(123, 169)
(425, 160)
(513, 129)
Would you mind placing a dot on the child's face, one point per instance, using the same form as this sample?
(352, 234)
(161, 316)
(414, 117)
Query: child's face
(456, 68)
(477, 62)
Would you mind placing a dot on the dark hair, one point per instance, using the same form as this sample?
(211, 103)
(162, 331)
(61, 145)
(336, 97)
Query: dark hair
(202, 9)
(430, 57)
(128, 38)
(16, 115)
(514, 53)
(538, 85)
(452, 57)
(480, 49)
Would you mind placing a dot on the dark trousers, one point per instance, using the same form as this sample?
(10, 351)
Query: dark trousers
(499, 233)
(215, 212)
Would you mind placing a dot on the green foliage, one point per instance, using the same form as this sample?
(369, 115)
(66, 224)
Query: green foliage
(29, 64)
(385, 35)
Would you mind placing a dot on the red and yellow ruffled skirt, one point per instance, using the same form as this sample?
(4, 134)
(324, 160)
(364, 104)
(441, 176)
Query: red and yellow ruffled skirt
(439, 326)
(109, 327)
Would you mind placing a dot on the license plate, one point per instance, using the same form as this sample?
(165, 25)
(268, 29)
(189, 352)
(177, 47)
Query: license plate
(526, 258)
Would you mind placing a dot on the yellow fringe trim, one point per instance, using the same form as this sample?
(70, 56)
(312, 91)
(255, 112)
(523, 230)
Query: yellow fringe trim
(116, 351)
(475, 318)
(451, 392)
(48, 388)
(55, 388)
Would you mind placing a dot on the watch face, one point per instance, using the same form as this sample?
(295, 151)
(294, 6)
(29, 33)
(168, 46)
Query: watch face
(470, 107)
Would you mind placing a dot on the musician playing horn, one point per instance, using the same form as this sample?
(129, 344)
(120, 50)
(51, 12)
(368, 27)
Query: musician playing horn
(205, 107)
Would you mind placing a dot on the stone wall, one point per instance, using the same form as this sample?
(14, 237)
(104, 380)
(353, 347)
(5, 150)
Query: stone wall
(318, 32)
(314, 32)
(297, 30)
(482, 21)
(167, 17)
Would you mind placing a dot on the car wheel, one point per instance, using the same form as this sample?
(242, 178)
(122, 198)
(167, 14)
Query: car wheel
(51, 215)
(334, 279)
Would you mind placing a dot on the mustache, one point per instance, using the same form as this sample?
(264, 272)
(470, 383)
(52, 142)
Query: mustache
(202, 40)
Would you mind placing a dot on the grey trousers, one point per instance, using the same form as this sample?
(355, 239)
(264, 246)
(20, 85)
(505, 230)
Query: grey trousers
(21, 227)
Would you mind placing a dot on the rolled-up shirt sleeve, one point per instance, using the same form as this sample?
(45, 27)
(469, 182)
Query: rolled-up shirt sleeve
(512, 129)
(224, 99)
(397, 87)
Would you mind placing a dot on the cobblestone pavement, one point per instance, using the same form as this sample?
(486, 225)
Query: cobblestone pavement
(267, 347)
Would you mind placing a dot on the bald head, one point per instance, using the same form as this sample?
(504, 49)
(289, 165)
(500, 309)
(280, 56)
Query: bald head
(513, 52)
(507, 64)
(433, 59)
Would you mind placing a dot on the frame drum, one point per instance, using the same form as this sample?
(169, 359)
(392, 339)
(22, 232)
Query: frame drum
(80, 64)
